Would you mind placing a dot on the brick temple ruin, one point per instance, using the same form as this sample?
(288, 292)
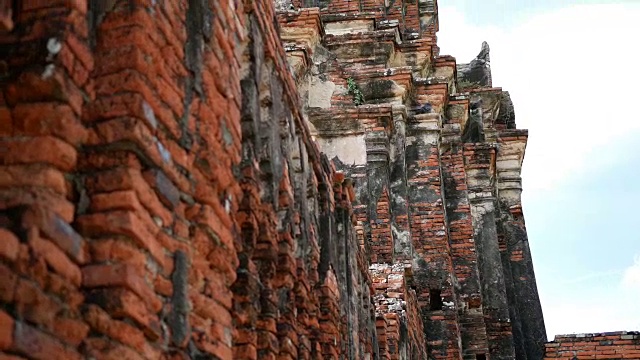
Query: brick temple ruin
(249, 180)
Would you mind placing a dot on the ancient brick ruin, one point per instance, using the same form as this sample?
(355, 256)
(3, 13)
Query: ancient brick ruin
(613, 345)
(249, 180)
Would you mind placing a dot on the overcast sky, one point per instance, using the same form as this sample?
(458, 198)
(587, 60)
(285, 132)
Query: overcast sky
(572, 70)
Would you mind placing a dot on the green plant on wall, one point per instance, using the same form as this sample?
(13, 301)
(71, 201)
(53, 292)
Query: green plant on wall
(354, 89)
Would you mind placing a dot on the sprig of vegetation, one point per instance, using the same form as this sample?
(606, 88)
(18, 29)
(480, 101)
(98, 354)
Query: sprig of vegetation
(354, 89)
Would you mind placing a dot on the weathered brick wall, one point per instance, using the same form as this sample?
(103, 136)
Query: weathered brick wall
(400, 330)
(612, 345)
(160, 193)
(431, 197)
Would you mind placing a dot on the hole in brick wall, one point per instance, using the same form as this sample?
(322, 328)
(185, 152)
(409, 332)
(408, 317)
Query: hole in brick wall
(11, 219)
(435, 300)
(481, 357)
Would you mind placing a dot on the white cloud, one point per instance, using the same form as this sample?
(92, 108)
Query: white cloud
(608, 305)
(608, 302)
(631, 277)
(572, 76)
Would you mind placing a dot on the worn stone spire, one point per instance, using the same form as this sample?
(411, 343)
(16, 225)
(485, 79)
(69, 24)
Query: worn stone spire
(477, 73)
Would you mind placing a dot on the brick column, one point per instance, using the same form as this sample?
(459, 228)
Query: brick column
(377, 143)
(402, 247)
(433, 266)
(463, 249)
(480, 168)
(529, 328)
(428, 10)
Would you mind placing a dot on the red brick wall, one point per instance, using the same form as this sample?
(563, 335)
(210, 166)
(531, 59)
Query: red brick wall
(400, 329)
(613, 345)
(160, 196)
(344, 6)
(464, 253)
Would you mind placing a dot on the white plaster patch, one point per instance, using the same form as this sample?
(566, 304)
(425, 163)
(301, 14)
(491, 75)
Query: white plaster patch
(54, 46)
(507, 164)
(478, 211)
(402, 240)
(149, 114)
(346, 27)
(48, 71)
(511, 195)
(351, 149)
(320, 93)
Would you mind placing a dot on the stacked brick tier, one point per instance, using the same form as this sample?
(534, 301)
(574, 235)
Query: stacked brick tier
(611, 345)
(429, 197)
(161, 196)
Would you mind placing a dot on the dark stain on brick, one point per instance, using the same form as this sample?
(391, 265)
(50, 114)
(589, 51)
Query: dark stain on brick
(179, 317)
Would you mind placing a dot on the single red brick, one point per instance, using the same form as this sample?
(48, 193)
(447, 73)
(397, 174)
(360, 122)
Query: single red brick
(163, 286)
(118, 251)
(31, 86)
(48, 118)
(130, 134)
(8, 284)
(120, 275)
(55, 257)
(125, 200)
(67, 293)
(166, 191)
(131, 104)
(35, 175)
(104, 349)
(43, 149)
(80, 5)
(6, 330)
(13, 197)
(40, 346)
(6, 122)
(57, 230)
(216, 348)
(122, 223)
(34, 305)
(9, 245)
(4, 356)
(80, 75)
(80, 48)
(117, 200)
(71, 331)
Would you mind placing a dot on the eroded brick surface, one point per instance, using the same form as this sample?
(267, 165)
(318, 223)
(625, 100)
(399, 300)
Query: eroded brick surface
(436, 189)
